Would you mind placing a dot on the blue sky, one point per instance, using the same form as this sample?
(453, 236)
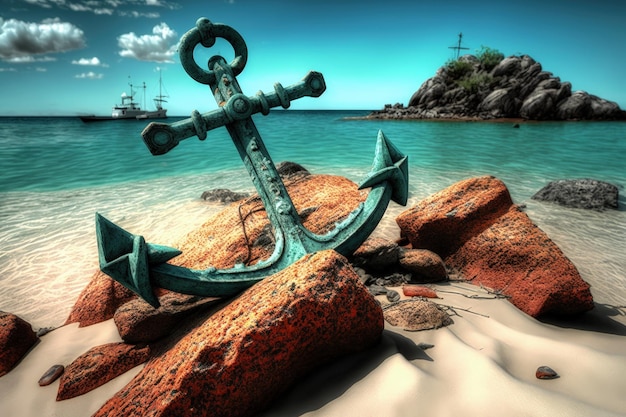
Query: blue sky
(69, 57)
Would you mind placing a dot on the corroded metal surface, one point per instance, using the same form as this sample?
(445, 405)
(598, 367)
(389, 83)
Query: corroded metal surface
(139, 265)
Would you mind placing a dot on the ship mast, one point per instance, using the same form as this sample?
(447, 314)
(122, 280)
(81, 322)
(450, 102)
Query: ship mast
(458, 47)
(159, 99)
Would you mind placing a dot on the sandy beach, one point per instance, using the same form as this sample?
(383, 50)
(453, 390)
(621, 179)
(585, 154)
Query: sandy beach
(482, 365)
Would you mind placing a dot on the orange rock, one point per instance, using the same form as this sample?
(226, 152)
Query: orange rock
(443, 221)
(418, 291)
(424, 265)
(476, 228)
(98, 366)
(515, 256)
(98, 300)
(16, 338)
(321, 201)
(377, 254)
(139, 322)
(242, 357)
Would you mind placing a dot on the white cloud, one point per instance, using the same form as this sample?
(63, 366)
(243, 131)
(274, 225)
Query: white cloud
(89, 75)
(27, 59)
(158, 47)
(95, 62)
(108, 7)
(90, 7)
(21, 41)
(136, 14)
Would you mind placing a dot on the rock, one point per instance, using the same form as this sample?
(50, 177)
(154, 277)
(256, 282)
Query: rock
(376, 289)
(443, 221)
(393, 296)
(539, 105)
(575, 107)
(42, 331)
(516, 257)
(98, 366)
(602, 109)
(221, 242)
(16, 339)
(418, 291)
(516, 87)
(98, 300)
(501, 103)
(394, 279)
(51, 375)
(223, 195)
(478, 231)
(286, 169)
(508, 66)
(240, 359)
(545, 372)
(424, 265)
(416, 314)
(580, 193)
(376, 254)
(139, 322)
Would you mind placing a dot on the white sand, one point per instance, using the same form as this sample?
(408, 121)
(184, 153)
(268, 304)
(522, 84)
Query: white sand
(482, 365)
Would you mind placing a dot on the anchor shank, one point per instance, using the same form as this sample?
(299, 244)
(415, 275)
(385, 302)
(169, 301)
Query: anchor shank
(278, 205)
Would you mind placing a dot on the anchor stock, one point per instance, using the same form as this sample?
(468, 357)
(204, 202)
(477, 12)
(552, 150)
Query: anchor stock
(139, 265)
(160, 138)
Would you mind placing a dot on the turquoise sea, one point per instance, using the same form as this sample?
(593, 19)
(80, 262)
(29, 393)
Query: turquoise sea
(57, 172)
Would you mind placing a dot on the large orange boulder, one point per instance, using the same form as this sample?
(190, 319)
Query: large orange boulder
(241, 233)
(477, 229)
(242, 357)
(16, 338)
(445, 220)
(98, 301)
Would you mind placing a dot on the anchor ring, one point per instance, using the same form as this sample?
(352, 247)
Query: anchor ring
(205, 33)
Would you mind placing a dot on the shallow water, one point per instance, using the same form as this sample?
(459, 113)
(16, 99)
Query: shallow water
(52, 184)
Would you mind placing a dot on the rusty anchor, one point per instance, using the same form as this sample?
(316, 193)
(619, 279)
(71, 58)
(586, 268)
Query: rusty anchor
(140, 266)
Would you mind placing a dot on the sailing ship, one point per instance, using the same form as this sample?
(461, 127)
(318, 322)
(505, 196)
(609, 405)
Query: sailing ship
(129, 109)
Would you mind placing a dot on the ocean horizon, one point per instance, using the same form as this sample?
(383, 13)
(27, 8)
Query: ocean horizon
(57, 172)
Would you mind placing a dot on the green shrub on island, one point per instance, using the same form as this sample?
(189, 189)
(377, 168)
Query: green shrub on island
(475, 82)
(457, 69)
(472, 79)
(489, 57)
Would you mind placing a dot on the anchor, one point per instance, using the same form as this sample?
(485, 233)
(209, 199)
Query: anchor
(140, 266)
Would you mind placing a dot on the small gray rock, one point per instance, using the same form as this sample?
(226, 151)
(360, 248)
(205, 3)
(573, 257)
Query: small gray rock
(223, 195)
(393, 296)
(51, 375)
(580, 193)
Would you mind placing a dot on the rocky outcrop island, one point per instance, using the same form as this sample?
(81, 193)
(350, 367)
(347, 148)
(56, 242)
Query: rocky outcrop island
(488, 86)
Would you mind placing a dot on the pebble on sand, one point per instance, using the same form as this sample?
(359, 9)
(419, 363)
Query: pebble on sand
(545, 372)
(51, 375)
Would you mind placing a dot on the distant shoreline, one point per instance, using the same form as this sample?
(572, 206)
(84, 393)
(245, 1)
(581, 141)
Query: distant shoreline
(183, 116)
(512, 120)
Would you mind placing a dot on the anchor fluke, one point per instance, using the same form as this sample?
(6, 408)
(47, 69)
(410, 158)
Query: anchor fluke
(126, 258)
(389, 165)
